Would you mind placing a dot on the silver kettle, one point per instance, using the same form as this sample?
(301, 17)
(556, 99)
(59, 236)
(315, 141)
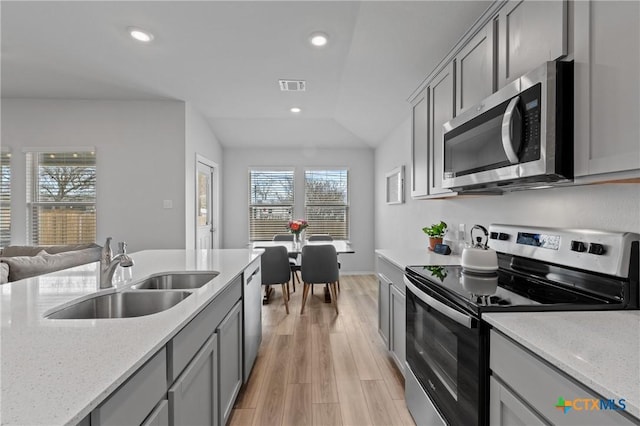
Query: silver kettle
(479, 257)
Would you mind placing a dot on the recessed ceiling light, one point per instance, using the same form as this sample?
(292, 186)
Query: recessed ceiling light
(318, 39)
(140, 35)
(295, 110)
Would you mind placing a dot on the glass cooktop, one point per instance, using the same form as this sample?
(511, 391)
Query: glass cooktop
(499, 290)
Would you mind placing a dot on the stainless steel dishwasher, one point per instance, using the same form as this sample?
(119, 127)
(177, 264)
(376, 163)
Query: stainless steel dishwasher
(252, 315)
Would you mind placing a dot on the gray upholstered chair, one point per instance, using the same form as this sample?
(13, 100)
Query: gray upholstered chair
(293, 258)
(323, 237)
(320, 266)
(275, 270)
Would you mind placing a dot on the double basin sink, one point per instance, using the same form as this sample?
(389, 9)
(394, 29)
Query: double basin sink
(164, 293)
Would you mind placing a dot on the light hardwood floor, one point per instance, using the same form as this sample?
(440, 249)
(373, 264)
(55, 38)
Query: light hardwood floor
(321, 368)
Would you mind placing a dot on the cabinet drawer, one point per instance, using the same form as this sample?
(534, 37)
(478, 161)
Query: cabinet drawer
(392, 273)
(182, 348)
(159, 416)
(137, 397)
(540, 385)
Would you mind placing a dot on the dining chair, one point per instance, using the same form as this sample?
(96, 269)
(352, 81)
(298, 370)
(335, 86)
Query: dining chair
(320, 266)
(324, 237)
(293, 258)
(275, 270)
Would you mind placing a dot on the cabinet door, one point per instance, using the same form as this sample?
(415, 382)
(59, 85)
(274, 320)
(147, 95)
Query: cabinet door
(607, 87)
(474, 69)
(230, 360)
(159, 416)
(193, 398)
(419, 146)
(398, 327)
(530, 33)
(383, 308)
(506, 409)
(441, 110)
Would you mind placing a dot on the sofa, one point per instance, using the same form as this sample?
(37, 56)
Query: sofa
(19, 262)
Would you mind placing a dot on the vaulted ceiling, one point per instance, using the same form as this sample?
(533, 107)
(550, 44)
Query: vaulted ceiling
(226, 57)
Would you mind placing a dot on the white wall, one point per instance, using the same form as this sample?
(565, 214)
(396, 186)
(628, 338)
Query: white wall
(613, 207)
(140, 154)
(360, 165)
(199, 139)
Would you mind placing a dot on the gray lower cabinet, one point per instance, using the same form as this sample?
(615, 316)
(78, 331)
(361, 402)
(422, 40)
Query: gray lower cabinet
(397, 343)
(526, 389)
(132, 403)
(384, 296)
(230, 360)
(159, 416)
(193, 398)
(506, 409)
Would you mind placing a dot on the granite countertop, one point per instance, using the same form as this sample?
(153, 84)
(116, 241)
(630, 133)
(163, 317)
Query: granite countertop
(422, 257)
(599, 349)
(58, 371)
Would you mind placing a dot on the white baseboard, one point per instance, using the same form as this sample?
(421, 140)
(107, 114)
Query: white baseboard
(357, 273)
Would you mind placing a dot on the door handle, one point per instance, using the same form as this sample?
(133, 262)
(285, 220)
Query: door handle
(507, 131)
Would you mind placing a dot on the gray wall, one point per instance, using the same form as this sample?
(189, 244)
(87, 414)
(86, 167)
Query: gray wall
(360, 164)
(609, 207)
(199, 139)
(140, 153)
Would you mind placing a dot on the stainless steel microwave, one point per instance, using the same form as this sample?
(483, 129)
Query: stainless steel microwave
(519, 137)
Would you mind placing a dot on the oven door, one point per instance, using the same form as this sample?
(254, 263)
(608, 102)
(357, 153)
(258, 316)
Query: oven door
(444, 352)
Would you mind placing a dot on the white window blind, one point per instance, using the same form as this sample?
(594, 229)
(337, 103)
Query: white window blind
(61, 197)
(270, 203)
(5, 199)
(327, 203)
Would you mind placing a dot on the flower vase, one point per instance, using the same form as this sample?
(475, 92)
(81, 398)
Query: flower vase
(296, 238)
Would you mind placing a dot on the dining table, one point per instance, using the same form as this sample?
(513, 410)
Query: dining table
(341, 246)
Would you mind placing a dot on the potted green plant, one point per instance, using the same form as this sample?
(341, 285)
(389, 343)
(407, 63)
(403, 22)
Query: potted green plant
(435, 233)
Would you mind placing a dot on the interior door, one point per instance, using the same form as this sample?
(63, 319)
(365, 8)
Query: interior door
(205, 209)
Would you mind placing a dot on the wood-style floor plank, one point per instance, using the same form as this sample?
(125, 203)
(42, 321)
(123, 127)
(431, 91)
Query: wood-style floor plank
(321, 368)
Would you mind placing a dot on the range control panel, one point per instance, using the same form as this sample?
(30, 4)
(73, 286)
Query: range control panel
(592, 250)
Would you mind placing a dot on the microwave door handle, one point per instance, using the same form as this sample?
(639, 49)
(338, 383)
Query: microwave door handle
(436, 305)
(507, 131)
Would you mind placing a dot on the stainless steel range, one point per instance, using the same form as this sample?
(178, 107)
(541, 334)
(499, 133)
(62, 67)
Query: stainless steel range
(540, 269)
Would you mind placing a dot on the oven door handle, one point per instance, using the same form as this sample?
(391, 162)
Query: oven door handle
(457, 316)
(508, 137)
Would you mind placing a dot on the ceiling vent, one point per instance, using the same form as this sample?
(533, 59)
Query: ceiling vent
(293, 85)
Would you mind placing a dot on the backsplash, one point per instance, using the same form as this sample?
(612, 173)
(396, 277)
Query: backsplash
(614, 207)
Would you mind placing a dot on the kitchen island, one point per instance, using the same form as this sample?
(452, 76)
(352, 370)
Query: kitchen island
(59, 371)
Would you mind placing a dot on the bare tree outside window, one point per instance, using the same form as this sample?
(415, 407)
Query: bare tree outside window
(61, 195)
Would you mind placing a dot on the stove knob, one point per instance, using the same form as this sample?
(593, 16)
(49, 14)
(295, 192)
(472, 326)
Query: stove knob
(578, 246)
(503, 237)
(595, 248)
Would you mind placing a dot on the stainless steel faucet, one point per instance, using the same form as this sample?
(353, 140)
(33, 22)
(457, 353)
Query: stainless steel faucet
(109, 262)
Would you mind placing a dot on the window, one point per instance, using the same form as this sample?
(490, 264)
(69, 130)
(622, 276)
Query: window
(61, 197)
(5, 199)
(326, 202)
(270, 203)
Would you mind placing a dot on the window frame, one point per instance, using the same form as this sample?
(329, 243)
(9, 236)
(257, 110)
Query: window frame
(32, 185)
(6, 160)
(251, 206)
(346, 205)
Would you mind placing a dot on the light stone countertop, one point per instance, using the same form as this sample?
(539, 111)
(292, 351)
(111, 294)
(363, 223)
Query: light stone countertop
(599, 349)
(422, 257)
(57, 371)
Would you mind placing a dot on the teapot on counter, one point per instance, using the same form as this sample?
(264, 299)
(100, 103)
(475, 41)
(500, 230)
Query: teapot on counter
(479, 257)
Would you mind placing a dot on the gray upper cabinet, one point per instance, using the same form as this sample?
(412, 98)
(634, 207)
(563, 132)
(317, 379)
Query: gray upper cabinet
(441, 110)
(530, 33)
(607, 89)
(475, 69)
(420, 146)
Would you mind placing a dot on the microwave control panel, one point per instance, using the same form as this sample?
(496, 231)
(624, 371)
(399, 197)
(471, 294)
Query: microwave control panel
(531, 107)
